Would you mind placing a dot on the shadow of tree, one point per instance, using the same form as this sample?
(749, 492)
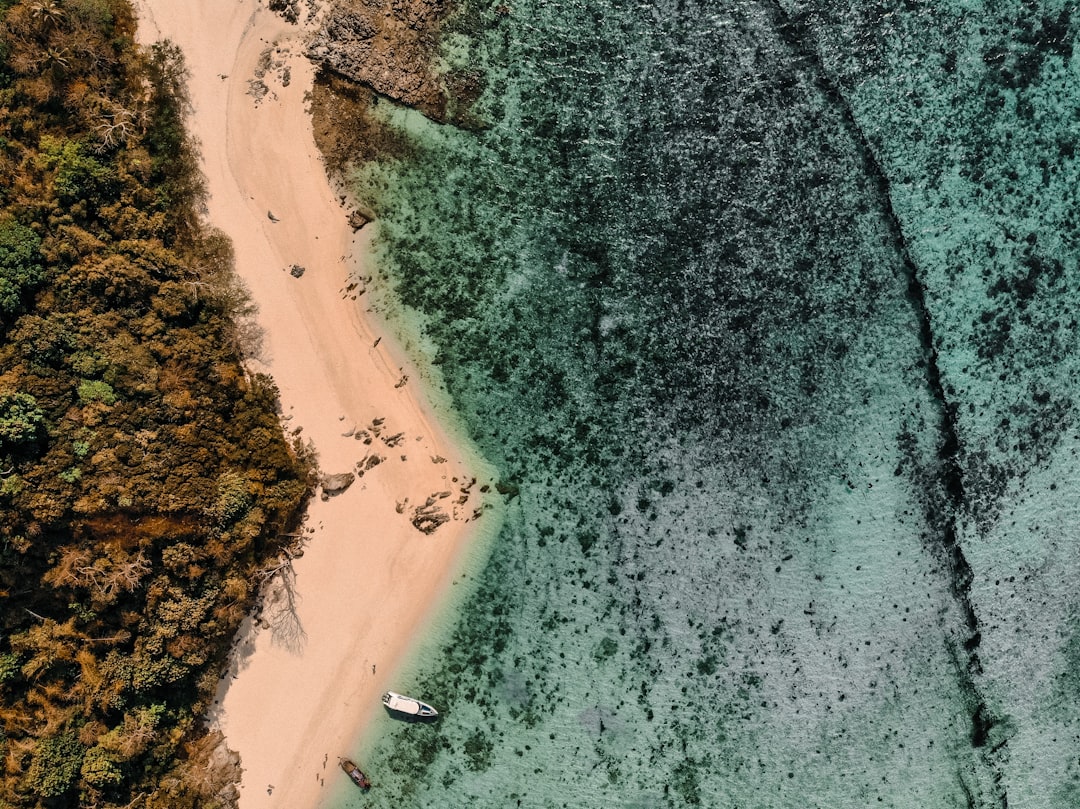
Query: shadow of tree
(280, 601)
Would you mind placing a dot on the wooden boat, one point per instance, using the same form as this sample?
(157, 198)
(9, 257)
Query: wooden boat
(398, 703)
(354, 773)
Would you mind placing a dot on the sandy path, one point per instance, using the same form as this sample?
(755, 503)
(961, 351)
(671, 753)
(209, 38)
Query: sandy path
(368, 580)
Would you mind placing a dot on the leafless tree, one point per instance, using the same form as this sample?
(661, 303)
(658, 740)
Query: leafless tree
(118, 126)
(105, 577)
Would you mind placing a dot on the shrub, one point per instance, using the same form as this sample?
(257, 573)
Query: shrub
(55, 765)
(99, 770)
(233, 500)
(9, 666)
(94, 390)
(78, 176)
(20, 419)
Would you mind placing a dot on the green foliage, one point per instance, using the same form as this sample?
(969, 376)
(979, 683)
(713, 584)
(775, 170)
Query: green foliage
(20, 418)
(46, 340)
(88, 363)
(99, 769)
(20, 265)
(94, 390)
(136, 734)
(78, 176)
(97, 12)
(176, 173)
(55, 765)
(9, 666)
(233, 500)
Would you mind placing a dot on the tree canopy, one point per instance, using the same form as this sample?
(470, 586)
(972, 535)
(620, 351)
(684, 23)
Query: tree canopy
(144, 476)
(21, 269)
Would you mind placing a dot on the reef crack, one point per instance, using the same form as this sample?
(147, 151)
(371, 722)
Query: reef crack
(943, 514)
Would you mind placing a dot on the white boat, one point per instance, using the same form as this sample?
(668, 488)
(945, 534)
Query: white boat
(398, 703)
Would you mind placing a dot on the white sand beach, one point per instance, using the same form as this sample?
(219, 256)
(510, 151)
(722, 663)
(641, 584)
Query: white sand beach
(368, 580)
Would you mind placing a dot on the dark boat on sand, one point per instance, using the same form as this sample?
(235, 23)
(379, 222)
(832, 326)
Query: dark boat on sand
(354, 773)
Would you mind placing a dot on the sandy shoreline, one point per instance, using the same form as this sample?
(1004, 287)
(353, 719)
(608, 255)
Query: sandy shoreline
(368, 580)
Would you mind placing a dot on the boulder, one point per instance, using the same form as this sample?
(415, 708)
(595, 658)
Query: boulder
(358, 219)
(337, 483)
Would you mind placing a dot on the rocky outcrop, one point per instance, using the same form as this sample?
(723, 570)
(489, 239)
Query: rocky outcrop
(388, 46)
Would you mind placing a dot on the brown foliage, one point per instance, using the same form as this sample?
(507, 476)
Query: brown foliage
(105, 577)
(126, 562)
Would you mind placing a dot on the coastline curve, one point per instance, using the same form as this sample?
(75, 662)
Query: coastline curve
(368, 580)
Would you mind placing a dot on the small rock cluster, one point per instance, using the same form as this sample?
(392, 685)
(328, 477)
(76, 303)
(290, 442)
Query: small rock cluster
(358, 219)
(271, 64)
(288, 9)
(427, 518)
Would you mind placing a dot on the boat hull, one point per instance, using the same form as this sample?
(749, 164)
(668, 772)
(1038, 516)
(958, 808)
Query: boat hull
(355, 774)
(408, 707)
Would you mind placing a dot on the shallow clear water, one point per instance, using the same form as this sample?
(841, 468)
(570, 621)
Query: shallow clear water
(767, 310)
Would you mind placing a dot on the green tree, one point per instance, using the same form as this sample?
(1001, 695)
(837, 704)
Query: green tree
(94, 390)
(99, 770)
(55, 765)
(20, 265)
(78, 175)
(233, 500)
(45, 340)
(20, 418)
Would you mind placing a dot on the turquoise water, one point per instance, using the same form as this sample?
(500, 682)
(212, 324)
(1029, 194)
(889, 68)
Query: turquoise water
(765, 313)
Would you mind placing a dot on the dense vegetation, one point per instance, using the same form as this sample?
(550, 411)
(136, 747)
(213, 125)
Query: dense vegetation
(144, 478)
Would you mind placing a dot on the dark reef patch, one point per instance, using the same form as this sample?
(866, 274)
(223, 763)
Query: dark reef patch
(765, 383)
